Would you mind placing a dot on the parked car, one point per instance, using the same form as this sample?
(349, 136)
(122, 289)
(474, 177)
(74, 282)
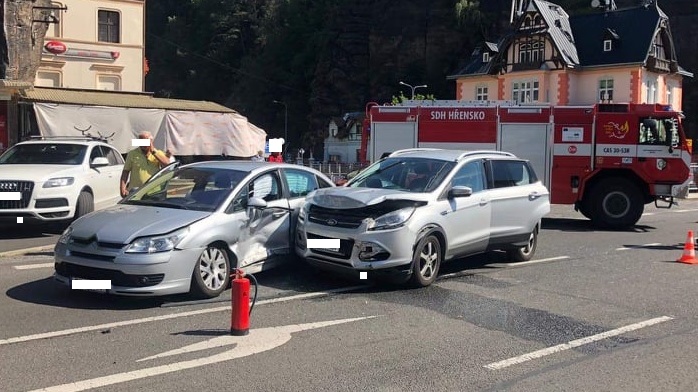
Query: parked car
(188, 227)
(405, 214)
(60, 178)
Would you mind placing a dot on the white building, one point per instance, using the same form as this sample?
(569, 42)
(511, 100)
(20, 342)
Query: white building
(95, 44)
(344, 138)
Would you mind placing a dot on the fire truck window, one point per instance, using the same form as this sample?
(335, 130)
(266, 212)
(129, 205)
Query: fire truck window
(471, 175)
(652, 131)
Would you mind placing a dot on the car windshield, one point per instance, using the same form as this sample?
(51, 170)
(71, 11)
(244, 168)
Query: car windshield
(405, 174)
(188, 188)
(44, 154)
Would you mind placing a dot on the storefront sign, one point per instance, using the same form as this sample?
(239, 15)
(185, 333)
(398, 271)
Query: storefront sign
(55, 47)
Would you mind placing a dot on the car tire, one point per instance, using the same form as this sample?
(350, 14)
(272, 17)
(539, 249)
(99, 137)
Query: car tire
(425, 261)
(525, 253)
(85, 205)
(211, 274)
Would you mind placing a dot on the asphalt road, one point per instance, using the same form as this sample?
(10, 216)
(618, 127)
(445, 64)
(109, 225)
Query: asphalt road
(608, 311)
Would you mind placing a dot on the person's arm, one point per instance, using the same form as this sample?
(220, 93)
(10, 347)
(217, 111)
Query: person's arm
(124, 178)
(160, 156)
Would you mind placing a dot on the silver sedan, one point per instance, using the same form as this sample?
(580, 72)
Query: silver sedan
(188, 227)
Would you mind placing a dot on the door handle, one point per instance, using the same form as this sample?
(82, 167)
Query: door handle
(278, 214)
(483, 202)
(534, 195)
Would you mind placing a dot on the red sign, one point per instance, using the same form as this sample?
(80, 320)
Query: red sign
(572, 149)
(56, 47)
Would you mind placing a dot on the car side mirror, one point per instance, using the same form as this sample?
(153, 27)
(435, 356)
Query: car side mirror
(256, 202)
(459, 191)
(99, 162)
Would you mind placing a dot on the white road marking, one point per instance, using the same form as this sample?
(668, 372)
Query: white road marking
(72, 331)
(257, 341)
(575, 343)
(524, 263)
(639, 246)
(648, 214)
(33, 266)
(689, 210)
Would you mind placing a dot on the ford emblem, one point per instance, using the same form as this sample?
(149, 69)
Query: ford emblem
(331, 222)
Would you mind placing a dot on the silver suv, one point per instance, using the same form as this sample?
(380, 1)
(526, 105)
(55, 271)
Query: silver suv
(59, 178)
(401, 216)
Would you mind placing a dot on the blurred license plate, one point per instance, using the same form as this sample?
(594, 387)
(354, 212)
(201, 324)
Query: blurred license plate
(84, 282)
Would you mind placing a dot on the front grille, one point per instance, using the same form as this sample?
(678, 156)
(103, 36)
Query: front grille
(101, 244)
(117, 278)
(349, 219)
(92, 256)
(344, 251)
(51, 203)
(24, 187)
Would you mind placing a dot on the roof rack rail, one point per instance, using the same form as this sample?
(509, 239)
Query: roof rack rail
(95, 138)
(479, 152)
(398, 152)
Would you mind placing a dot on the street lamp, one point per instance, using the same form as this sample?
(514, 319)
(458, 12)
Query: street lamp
(285, 121)
(412, 87)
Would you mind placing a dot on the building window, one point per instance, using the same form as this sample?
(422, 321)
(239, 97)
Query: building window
(486, 57)
(525, 91)
(606, 90)
(651, 91)
(48, 79)
(108, 26)
(481, 93)
(54, 29)
(607, 45)
(109, 82)
(670, 95)
(531, 51)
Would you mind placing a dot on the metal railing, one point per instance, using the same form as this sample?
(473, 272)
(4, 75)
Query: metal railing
(333, 170)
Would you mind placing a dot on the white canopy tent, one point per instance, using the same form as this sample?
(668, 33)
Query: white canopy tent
(182, 132)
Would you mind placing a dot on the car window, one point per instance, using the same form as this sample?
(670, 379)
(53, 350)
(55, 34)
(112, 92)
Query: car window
(471, 175)
(322, 183)
(507, 173)
(300, 182)
(202, 189)
(402, 173)
(265, 186)
(113, 156)
(96, 153)
(44, 154)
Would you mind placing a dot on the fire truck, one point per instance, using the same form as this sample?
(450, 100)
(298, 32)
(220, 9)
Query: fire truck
(607, 160)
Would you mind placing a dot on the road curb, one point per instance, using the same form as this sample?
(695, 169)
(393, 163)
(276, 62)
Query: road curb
(22, 252)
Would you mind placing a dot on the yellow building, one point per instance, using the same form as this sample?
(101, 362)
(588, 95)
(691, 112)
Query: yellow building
(608, 55)
(94, 44)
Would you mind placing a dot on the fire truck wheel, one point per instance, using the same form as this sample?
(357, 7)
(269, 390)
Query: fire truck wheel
(616, 203)
(585, 208)
(426, 261)
(211, 274)
(525, 253)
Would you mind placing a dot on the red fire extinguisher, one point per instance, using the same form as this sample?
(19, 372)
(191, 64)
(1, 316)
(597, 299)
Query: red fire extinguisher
(240, 317)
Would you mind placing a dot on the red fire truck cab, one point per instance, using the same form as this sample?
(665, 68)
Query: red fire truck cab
(608, 160)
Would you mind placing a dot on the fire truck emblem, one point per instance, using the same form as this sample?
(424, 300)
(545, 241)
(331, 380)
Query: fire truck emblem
(572, 149)
(615, 130)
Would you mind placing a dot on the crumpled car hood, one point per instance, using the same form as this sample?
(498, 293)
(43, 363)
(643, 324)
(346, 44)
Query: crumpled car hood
(346, 198)
(123, 223)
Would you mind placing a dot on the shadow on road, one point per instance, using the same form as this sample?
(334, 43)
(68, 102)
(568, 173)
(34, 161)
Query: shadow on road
(579, 225)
